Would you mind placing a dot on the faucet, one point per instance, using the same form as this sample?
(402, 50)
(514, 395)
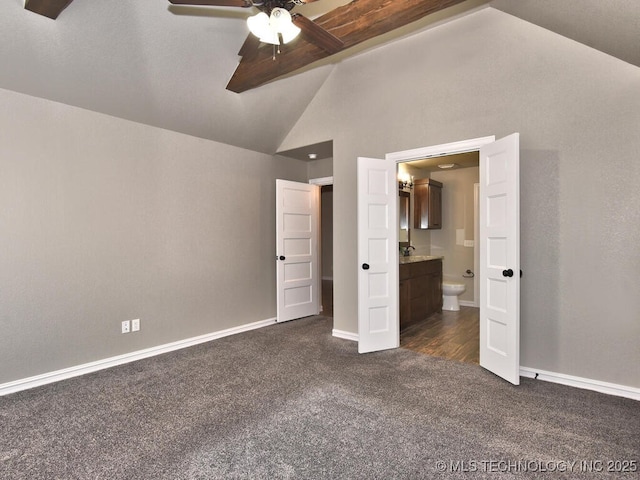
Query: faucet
(405, 250)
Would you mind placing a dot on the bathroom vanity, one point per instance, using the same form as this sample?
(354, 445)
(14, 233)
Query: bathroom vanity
(420, 288)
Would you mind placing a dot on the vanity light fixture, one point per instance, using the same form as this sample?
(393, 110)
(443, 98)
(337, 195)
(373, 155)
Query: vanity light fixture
(446, 166)
(406, 180)
(313, 156)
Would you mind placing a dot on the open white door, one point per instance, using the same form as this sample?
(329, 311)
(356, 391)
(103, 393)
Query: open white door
(500, 257)
(378, 326)
(298, 280)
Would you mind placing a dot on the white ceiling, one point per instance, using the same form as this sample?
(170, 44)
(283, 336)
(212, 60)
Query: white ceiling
(459, 160)
(168, 66)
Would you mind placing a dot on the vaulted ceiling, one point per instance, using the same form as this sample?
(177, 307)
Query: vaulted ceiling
(169, 65)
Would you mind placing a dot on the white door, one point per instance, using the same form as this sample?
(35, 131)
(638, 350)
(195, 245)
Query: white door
(298, 279)
(500, 258)
(378, 325)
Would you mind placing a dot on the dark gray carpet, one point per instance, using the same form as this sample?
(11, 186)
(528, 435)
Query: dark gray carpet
(290, 401)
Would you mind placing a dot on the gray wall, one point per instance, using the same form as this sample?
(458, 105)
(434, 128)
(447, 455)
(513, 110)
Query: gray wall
(320, 168)
(104, 220)
(578, 113)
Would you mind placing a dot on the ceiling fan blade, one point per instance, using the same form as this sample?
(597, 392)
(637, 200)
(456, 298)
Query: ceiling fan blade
(250, 47)
(317, 35)
(215, 3)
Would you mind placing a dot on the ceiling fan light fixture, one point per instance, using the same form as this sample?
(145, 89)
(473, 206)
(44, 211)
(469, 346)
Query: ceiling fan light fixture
(289, 32)
(281, 22)
(259, 24)
(271, 37)
(279, 18)
(268, 28)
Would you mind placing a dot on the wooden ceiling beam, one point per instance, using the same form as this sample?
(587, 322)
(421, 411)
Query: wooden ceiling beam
(48, 8)
(353, 23)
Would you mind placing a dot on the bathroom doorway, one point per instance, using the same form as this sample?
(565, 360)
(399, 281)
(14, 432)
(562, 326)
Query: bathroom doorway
(449, 334)
(499, 242)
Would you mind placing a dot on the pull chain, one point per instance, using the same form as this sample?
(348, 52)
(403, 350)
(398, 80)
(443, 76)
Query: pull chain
(275, 52)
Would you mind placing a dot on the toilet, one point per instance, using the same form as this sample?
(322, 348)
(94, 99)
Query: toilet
(450, 293)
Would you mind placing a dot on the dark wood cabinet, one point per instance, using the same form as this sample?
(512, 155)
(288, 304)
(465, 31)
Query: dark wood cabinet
(427, 204)
(404, 301)
(420, 291)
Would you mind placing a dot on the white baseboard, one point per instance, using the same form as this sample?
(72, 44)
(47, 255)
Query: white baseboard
(561, 378)
(579, 382)
(76, 371)
(345, 335)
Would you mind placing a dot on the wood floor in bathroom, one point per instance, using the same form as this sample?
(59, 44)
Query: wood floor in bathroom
(452, 335)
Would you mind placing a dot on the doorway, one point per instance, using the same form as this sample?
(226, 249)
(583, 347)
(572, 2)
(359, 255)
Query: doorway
(453, 335)
(325, 242)
(326, 250)
(377, 205)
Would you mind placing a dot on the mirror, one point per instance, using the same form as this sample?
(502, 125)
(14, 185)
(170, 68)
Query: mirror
(404, 237)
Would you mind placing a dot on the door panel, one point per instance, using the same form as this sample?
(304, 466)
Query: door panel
(378, 326)
(499, 253)
(297, 274)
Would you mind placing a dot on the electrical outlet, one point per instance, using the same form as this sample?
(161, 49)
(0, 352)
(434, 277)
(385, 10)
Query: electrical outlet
(135, 325)
(125, 326)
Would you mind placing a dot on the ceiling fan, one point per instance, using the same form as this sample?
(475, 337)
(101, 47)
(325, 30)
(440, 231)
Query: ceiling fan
(355, 22)
(275, 25)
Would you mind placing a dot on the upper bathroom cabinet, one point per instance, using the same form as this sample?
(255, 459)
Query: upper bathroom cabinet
(427, 205)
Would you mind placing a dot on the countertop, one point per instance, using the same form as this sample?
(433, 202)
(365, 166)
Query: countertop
(418, 258)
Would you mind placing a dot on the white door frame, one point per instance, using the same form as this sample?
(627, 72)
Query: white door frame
(476, 246)
(463, 146)
(322, 181)
(471, 145)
